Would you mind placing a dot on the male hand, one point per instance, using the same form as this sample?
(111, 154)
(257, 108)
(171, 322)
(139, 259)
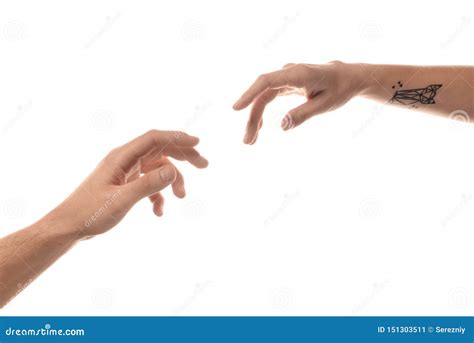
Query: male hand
(138, 169)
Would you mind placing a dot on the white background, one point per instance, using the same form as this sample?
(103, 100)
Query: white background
(364, 211)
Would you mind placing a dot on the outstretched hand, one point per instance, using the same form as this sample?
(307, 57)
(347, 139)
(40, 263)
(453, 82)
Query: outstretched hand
(138, 169)
(325, 86)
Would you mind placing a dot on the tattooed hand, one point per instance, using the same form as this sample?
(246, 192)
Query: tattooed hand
(325, 86)
(329, 86)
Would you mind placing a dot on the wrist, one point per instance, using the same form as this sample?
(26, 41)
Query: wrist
(361, 76)
(63, 225)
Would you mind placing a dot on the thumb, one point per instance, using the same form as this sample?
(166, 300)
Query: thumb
(300, 114)
(150, 183)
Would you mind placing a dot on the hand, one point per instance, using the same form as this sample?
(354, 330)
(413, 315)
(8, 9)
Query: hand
(136, 170)
(326, 87)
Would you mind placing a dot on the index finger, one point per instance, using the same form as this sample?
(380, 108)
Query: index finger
(274, 80)
(129, 154)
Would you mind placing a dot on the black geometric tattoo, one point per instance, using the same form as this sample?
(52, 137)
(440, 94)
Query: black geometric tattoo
(411, 97)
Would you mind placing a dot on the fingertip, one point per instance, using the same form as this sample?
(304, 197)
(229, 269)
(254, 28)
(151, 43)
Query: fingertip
(158, 210)
(287, 122)
(184, 139)
(247, 138)
(179, 192)
(254, 140)
(203, 163)
(191, 141)
(237, 105)
(168, 174)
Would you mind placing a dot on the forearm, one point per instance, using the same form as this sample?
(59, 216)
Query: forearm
(440, 90)
(139, 169)
(25, 254)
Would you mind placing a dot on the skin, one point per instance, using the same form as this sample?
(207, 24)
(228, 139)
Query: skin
(129, 173)
(142, 168)
(327, 87)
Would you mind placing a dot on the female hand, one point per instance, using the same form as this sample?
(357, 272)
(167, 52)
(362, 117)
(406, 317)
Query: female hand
(325, 86)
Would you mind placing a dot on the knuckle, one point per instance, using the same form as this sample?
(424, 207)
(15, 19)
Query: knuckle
(300, 66)
(177, 135)
(263, 78)
(146, 181)
(113, 154)
(293, 113)
(153, 134)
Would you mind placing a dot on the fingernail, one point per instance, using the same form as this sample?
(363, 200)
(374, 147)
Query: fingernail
(167, 173)
(287, 123)
(247, 138)
(237, 104)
